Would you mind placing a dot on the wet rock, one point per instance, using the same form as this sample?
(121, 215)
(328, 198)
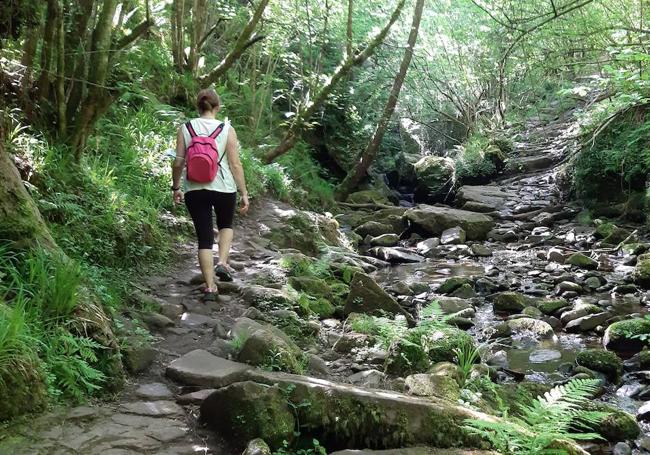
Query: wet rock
(568, 287)
(434, 176)
(453, 236)
(616, 236)
(622, 448)
(587, 323)
(550, 306)
(643, 414)
(248, 410)
(201, 368)
(396, 255)
(582, 261)
(544, 355)
(644, 359)
(374, 229)
(466, 291)
(593, 282)
(385, 240)
(479, 250)
(555, 255)
(373, 379)
(581, 309)
(366, 296)
(618, 336)
(532, 312)
(171, 310)
(451, 305)
(257, 447)
(427, 246)
(486, 286)
(503, 235)
(510, 302)
(434, 220)
(529, 327)
(602, 361)
(453, 283)
(634, 249)
(428, 385)
(641, 273)
(498, 359)
(625, 289)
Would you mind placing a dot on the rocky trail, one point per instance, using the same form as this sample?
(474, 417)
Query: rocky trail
(510, 267)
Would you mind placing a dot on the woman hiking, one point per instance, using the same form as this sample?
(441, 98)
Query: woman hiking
(207, 160)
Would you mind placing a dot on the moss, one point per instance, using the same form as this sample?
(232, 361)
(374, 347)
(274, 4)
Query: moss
(644, 359)
(617, 425)
(407, 356)
(602, 361)
(604, 230)
(582, 261)
(551, 306)
(642, 271)
(510, 302)
(617, 236)
(453, 283)
(322, 308)
(22, 391)
(442, 343)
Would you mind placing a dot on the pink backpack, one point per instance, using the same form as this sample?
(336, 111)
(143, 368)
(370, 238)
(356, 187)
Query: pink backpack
(202, 155)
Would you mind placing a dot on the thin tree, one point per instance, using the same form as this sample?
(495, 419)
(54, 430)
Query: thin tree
(354, 177)
(245, 40)
(300, 122)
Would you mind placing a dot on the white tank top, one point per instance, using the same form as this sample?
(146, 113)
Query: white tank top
(224, 182)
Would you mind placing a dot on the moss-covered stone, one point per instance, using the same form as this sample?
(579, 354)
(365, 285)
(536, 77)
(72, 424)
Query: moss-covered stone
(622, 336)
(427, 385)
(323, 308)
(453, 283)
(434, 176)
(315, 287)
(642, 271)
(306, 232)
(603, 361)
(603, 230)
(510, 302)
(635, 248)
(644, 359)
(22, 388)
(269, 347)
(532, 312)
(248, 410)
(366, 296)
(582, 261)
(368, 197)
(617, 425)
(616, 236)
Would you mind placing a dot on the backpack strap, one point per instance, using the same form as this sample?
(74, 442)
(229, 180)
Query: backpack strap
(217, 131)
(190, 129)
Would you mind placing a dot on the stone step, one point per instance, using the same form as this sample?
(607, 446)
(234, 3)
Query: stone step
(200, 368)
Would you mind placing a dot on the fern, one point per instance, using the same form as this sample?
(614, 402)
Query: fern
(550, 418)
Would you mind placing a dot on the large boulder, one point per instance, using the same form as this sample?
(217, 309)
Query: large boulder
(270, 347)
(434, 220)
(366, 296)
(510, 302)
(481, 198)
(305, 231)
(434, 176)
(430, 385)
(368, 197)
(642, 271)
(249, 410)
(346, 415)
(622, 336)
(533, 328)
(602, 361)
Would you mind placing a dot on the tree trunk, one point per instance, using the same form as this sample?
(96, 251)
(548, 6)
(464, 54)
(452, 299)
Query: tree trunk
(243, 42)
(294, 132)
(97, 92)
(178, 33)
(48, 50)
(60, 72)
(199, 23)
(352, 179)
(77, 61)
(348, 44)
(20, 220)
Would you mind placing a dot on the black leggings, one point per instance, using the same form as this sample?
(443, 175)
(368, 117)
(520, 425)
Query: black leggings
(200, 204)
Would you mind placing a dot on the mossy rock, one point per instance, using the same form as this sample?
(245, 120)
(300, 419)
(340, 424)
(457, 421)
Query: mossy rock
(315, 287)
(604, 230)
(550, 306)
(306, 232)
(582, 261)
(621, 336)
(323, 308)
(453, 283)
(641, 273)
(434, 176)
(247, 410)
(617, 425)
(443, 342)
(510, 302)
(407, 356)
(368, 197)
(427, 385)
(22, 389)
(617, 236)
(602, 361)
(635, 248)
(644, 359)
(532, 312)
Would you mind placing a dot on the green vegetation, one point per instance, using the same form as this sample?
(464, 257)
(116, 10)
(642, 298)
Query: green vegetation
(545, 422)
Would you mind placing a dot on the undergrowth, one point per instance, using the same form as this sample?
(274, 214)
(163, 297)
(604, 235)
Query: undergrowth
(559, 415)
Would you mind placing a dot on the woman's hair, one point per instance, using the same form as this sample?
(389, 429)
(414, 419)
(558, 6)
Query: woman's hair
(207, 100)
